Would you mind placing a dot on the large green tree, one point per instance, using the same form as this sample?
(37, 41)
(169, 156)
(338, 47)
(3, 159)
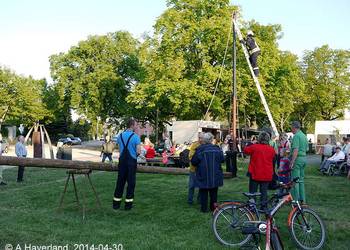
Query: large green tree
(183, 60)
(21, 99)
(327, 77)
(94, 77)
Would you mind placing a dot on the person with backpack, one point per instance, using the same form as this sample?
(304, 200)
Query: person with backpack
(129, 148)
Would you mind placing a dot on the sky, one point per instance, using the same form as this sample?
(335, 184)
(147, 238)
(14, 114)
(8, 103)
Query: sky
(31, 31)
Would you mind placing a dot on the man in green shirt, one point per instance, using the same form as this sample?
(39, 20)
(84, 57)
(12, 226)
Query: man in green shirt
(298, 149)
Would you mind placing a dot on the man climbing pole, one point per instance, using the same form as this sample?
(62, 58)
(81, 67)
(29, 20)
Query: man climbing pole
(254, 51)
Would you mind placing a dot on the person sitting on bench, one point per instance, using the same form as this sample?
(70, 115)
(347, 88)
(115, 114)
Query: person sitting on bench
(337, 157)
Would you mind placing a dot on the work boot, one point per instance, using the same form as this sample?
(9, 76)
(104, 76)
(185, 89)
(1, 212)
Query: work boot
(128, 205)
(116, 204)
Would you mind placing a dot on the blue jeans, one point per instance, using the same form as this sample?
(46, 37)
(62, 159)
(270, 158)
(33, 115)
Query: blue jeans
(192, 184)
(107, 155)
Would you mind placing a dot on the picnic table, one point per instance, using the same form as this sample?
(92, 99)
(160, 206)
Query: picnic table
(173, 161)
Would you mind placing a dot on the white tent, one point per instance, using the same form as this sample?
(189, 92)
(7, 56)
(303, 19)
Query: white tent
(332, 128)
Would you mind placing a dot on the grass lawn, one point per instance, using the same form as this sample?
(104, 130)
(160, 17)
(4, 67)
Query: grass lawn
(161, 218)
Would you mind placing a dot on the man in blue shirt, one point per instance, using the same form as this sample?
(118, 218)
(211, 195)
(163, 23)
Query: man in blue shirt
(129, 148)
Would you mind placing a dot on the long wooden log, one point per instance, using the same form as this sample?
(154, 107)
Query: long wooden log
(99, 166)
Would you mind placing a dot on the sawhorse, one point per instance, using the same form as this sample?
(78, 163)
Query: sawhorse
(71, 173)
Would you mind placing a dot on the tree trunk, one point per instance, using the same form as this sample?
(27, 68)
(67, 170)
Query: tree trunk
(99, 166)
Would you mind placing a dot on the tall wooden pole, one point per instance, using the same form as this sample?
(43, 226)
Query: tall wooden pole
(234, 90)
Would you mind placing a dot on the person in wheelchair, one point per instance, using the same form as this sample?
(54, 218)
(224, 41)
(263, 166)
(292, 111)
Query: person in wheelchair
(338, 157)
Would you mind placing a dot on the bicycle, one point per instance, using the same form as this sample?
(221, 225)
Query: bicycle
(236, 223)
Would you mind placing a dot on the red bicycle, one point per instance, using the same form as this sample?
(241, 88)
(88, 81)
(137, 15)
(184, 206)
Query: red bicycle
(237, 224)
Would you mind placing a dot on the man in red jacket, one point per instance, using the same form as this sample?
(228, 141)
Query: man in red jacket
(260, 170)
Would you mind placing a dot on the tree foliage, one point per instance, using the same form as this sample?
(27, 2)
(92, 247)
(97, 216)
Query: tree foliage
(326, 75)
(95, 76)
(21, 98)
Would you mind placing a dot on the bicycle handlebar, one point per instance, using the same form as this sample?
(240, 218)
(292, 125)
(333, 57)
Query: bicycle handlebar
(289, 184)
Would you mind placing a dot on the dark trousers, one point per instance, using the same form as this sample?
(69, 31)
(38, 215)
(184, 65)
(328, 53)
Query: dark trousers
(254, 62)
(231, 162)
(203, 193)
(20, 173)
(263, 185)
(127, 173)
(107, 155)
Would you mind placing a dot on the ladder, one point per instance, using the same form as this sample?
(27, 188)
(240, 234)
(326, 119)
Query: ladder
(256, 80)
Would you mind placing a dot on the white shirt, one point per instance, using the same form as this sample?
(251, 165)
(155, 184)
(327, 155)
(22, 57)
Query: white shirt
(337, 156)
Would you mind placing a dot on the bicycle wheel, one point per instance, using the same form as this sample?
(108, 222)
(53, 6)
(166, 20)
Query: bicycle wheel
(276, 241)
(227, 225)
(307, 229)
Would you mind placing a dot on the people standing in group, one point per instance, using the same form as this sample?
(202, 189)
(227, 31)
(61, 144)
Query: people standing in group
(260, 170)
(21, 151)
(107, 149)
(192, 181)
(2, 183)
(129, 148)
(299, 149)
(207, 159)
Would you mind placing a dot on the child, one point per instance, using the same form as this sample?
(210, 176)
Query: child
(284, 167)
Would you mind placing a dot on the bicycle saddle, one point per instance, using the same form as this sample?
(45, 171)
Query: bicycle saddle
(251, 195)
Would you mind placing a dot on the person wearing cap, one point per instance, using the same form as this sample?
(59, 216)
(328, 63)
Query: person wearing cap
(298, 162)
(338, 156)
(253, 50)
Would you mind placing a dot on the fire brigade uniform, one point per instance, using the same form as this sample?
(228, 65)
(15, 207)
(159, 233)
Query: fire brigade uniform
(254, 52)
(128, 142)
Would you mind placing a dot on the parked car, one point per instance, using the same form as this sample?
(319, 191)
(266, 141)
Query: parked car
(4, 146)
(75, 140)
(63, 141)
(71, 140)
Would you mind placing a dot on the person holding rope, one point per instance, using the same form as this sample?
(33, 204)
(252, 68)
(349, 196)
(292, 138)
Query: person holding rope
(129, 148)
